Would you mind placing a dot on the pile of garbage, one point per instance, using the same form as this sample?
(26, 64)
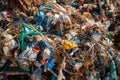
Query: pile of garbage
(60, 39)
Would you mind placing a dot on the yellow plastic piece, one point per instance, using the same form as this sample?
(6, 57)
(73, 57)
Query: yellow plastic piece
(67, 45)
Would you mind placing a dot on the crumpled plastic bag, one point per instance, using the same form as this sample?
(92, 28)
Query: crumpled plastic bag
(68, 44)
(36, 74)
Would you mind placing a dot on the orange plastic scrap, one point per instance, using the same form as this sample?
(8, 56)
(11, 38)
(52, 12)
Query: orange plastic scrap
(67, 45)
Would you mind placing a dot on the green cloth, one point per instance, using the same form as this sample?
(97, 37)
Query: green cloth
(109, 36)
(53, 78)
(26, 31)
(109, 13)
(113, 68)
